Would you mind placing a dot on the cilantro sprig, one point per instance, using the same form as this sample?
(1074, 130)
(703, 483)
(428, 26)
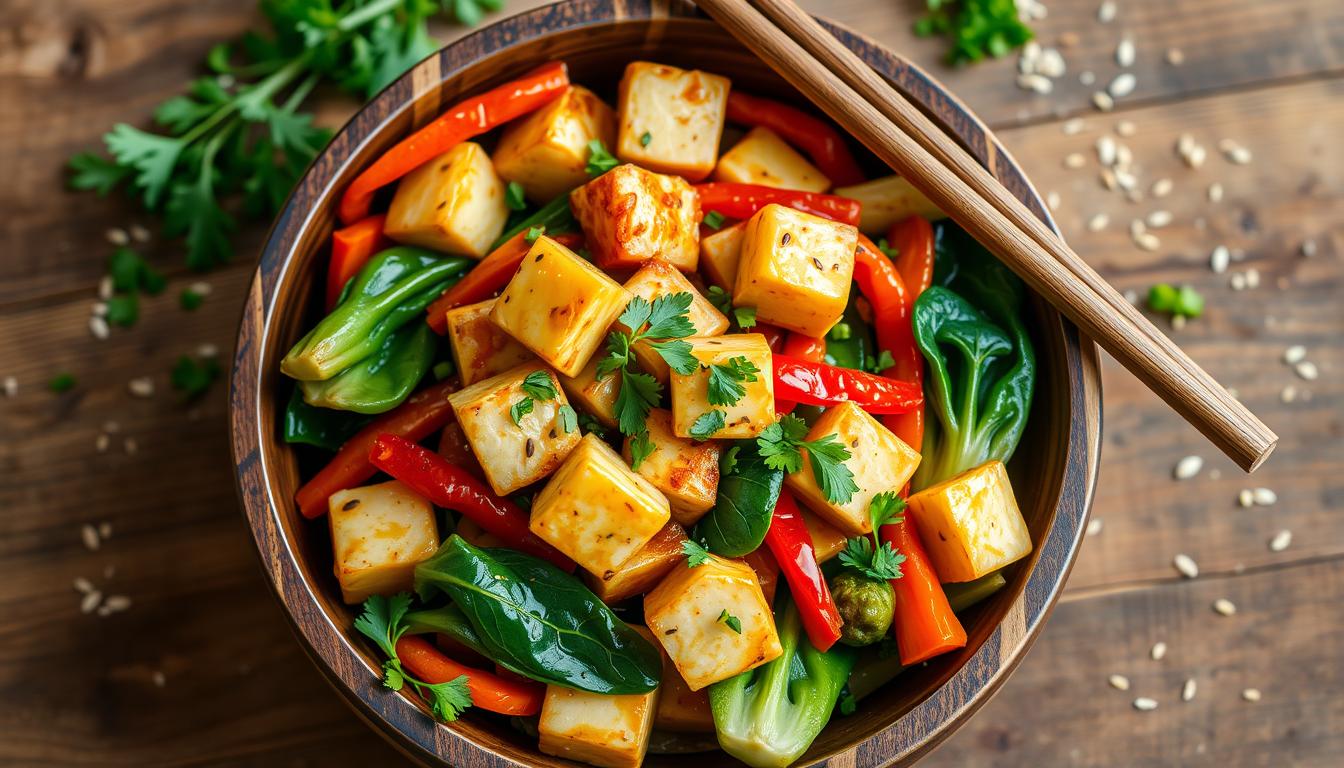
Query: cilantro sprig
(726, 380)
(745, 317)
(696, 554)
(663, 323)
(869, 556)
(707, 423)
(599, 159)
(783, 443)
(976, 28)
(381, 622)
(538, 385)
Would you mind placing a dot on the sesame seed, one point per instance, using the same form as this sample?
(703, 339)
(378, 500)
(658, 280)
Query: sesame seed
(99, 328)
(1145, 704)
(1252, 278)
(130, 446)
(1246, 498)
(1188, 467)
(1106, 150)
(1224, 607)
(1294, 354)
(1158, 651)
(1051, 63)
(1238, 281)
(1264, 497)
(1234, 152)
(1307, 370)
(1118, 682)
(1132, 296)
(1175, 57)
(1251, 694)
(1094, 526)
(1098, 222)
(1161, 188)
(1122, 86)
(105, 529)
(1073, 126)
(1052, 200)
(200, 287)
(1126, 128)
(90, 601)
(1103, 101)
(1186, 565)
(11, 386)
(105, 287)
(1178, 322)
(1106, 12)
(1281, 540)
(1159, 218)
(1124, 53)
(83, 585)
(117, 603)
(1288, 394)
(1149, 242)
(111, 427)
(1308, 248)
(142, 386)
(159, 679)
(101, 443)
(99, 309)
(139, 234)
(1086, 77)
(1034, 82)
(117, 236)
(1075, 160)
(1219, 259)
(1188, 690)
(1108, 179)
(1215, 192)
(1125, 179)
(89, 535)
(207, 350)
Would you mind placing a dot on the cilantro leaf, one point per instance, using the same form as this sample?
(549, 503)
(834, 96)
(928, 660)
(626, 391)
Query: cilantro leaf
(745, 317)
(97, 173)
(190, 300)
(668, 317)
(677, 354)
(569, 420)
(639, 393)
(636, 313)
(193, 211)
(193, 377)
(641, 447)
(123, 310)
(778, 443)
(726, 380)
(513, 196)
(885, 508)
(150, 156)
(381, 622)
(869, 556)
(520, 409)
(599, 159)
(696, 555)
(728, 460)
(707, 424)
(61, 382)
(827, 456)
(540, 385)
(721, 299)
(447, 700)
(976, 28)
(731, 621)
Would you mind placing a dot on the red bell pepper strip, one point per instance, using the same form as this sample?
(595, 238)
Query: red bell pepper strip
(804, 348)
(453, 487)
(420, 416)
(913, 237)
(489, 691)
(821, 384)
(351, 248)
(881, 283)
(489, 276)
(925, 625)
(463, 121)
(791, 545)
(741, 201)
(823, 143)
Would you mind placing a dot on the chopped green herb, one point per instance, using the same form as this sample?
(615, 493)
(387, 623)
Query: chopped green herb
(696, 555)
(667, 324)
(890, 252)
(533, 233)
(874, 558)
(882, 362)
(731, 621)
(745, 317)
(599, 159)
(569, 420)
(190, 300)
(540, 385)
(381, 622)
(641, 447)
(442, 370)
(726, 380)
(645, 138)
(840, 332)
(976, 28)
(193, 377)
(782, 445)
(707, 424)
(61, 382)
(123, 309)
(1184, 301)
(728, 460)
(714, 220)
(514, 196)
(520, 409)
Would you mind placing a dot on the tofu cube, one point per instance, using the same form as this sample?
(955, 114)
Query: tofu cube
(719, 255)
(594, 728)
(597, 511)
(680, 709)
(762, 157)
(379, 533)
(454, 203)
(671, 119)
(559, 306)
(796, 269)
(684, 470)
(749, 416)
(594, 395)
(886, 201)
(827, 540)
(482, 349)
(630, 216)
(767, 571)
(513, 455)
(643, 570)
(684, 610)
(546, 151)
(658, 278)
(879, 460)
(970, 524)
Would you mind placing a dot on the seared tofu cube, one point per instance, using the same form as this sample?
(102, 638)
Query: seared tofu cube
(595, 395)
(379, 533)
(513, 455)
(594, 728)
(671, 119)
(767, 570)
(643, 570)
(719, 255)
(482, 349)
(796, 269)
(630, 216)
(596, 511)
(685, 470)
(657, 279)
(762, 157)
(879, 460)
(684, 614)
(750, 415)
(827, 540)
(454, 203)
(559, 306)
(970, 524)
(886, 201)
(680, 709)
(546, 151)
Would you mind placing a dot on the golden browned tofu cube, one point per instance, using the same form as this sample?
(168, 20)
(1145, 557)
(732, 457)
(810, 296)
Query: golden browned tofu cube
(750, 415)
(970, 524)
(685, 470)
(643, 570)
(656, 279)
(594, 728)
(719, 254)
(671, 119)
(482, 349)
(680, 709)
(684, 614)
(762, 157)
(594, 395)
(886, 201)
(454, 203)
(879, 460)
(513, 454)
(596, 511)
(559, 306)
(827, 540)
(379, 533)
(630, 216)
(796, 269)
(546, 151)
(767, 570)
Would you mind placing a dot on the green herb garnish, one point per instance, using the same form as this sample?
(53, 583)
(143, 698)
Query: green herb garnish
(731, 621)
(782, 445)
(696, 555)
(714, 220)
(599, 159)
(707, 424)
(667, 324)
(871, 557)
(61, 382)
(976, 28)
(382, 623)
(726, 380)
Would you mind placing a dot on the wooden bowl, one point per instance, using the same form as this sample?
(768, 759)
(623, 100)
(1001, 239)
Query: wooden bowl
(1054, 469)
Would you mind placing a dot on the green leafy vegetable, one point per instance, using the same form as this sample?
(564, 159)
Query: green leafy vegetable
(783, 443)
(599, 159)
(744, 505)
(696, 555)
(381, 381)
(539, 386)
(383, 622)
(533, 233)
(707, 424)
(745, 317)
(322, 427)
(520, 409)
(123, 310)
(976, 28)
(190, 300)
(641, 448)
(1184, 301)
(726, 380)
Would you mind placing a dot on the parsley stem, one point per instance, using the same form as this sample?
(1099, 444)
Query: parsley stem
(366, 14)
(258, 93)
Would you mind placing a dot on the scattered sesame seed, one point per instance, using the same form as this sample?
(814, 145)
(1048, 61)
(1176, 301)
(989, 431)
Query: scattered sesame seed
(1034, 82)
(1238, 281)
(1145, 704)
(105, 530)
(1246, 498)
(1234, 152)
(1073, 126)
(159, 678)
(117, 603)
(1219, 259)
(130, 446)
(1052, 200)
(1098, 222)
(117, 236)
(1178, 322)
(101, 443)
(1124, 53)
(1051, 63)
(1175, 57)
(1308, 248)
(142, 386)
(1252, 278)
(1294, 354)
(1075, 160)
(105, 287)
(1132, 296)
(1159, 218)
(1103, 101)
(1086, 77)
(1106, 12)
(89, 535)
(98, 327)
(139, 234)
(11, 386)
(83, 585)
(1108, 179)
(1281, 540)
(1123, 85)
(1186, 565)
(200, 287)
(1288, 394)
(1215, 192)
(1224, 607)
(99, 309)
(1188, 690)
(1307, 370)
(1161, 188)
(1264, 497)
(1251, 694)
(1094, 526)
(111, 427)
(1118, 682)
(1158, 651)
(1106, 150)
(207, 350)
(90, 601)
(1149, 242)
(1188, 467)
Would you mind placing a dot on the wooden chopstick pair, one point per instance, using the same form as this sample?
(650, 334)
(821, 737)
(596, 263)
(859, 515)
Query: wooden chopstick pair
(861, 101)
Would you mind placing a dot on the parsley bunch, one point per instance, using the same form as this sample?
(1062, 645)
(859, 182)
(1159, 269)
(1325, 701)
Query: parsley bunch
(782, 445)
(237, 139)
(381, 623)
(976, 27)
(874, 559)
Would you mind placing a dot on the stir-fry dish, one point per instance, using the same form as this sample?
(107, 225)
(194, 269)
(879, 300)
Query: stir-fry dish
(630, 439)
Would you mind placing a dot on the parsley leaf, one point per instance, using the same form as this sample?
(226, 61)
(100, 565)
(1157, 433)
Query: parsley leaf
(782, 445)
(707, 424)
(540, 385)
(533, 233)
(667, 324)
(872, 557)
(886, 508)
(726, 380)
(641, 447)
(569, 420)
(97, 173)
(696, 555)
(745, 317)
(976, 28)
(639, 393)
(778, 443)
(513, 196)
(599, 159)
(381, 622)
(714, 220)
(520, 409)
(193, 377)
(732, 621)
(123, 310)
(645, 138)
(668, 317)
(190, 300)
(677, 354)
(61, 382)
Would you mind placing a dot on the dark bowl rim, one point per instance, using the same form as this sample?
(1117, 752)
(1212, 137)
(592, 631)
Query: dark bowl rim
(402, 721)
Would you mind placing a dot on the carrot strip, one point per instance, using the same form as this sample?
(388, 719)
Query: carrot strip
(489, 691)
(351, 249)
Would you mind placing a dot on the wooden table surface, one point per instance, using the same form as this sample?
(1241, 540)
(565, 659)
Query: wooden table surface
(202, 670)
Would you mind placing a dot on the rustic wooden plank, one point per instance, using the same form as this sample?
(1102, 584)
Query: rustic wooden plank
(1284, 640)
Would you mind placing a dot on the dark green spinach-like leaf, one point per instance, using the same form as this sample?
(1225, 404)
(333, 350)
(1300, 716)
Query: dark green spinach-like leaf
(746, 502)
(539, 621)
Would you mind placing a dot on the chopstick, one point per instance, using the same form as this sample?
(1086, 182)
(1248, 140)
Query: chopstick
(846, 89)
